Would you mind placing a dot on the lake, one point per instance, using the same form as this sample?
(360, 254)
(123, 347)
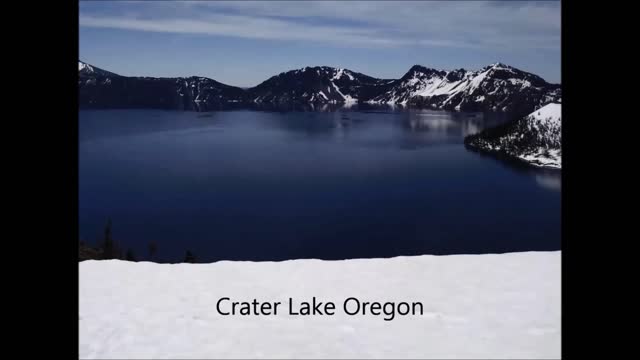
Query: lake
(353, 182)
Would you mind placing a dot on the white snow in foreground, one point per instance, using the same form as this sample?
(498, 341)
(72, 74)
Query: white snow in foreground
(475, 306)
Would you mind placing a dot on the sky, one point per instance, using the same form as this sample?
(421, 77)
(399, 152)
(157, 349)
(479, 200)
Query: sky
(243, 43)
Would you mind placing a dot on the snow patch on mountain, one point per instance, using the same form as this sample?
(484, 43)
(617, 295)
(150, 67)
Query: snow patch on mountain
(339, 72)
(87, 70)
(547, 122)
(85, 66)
(346, 98)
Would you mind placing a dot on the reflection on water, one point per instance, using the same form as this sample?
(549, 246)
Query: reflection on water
(427, 127)
(450, 123)
(382, 125)
(330, 107)
(334, 182)
(550, 180)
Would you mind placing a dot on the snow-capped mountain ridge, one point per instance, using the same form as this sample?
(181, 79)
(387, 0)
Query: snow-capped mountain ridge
(86, 66)
(496, 87)
(85, 69)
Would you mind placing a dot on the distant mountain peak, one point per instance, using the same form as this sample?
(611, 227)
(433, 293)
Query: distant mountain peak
(315, 68)
(84, 66)
(421, 68)
(499, 64)
(88, 69)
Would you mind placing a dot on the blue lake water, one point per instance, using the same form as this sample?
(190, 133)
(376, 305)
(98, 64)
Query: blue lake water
(275, 185)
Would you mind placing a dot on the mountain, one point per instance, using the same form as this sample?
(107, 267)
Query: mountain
(88, 71)
(496, 87)
(103, 89)
(535, 139)
(320, 84)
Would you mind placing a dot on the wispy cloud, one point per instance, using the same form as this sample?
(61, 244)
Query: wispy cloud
(489, 25)
(244, 27)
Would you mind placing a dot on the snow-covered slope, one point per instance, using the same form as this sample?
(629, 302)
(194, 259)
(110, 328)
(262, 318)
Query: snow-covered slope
(475, 306)
(535, 139)
(84, 66)
(495, 87)
(87, 70)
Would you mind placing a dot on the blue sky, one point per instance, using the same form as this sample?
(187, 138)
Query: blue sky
(244, 42)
